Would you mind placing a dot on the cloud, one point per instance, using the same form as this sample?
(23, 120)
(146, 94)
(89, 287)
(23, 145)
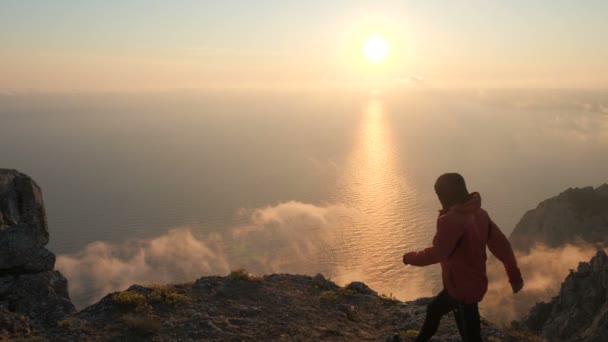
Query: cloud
(287, 237)
(583, 127)
(543, 269)
(290, 237)
(102, 267)
(563, 116)
(554, 100)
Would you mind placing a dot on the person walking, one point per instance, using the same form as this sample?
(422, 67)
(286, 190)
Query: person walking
(464, 230)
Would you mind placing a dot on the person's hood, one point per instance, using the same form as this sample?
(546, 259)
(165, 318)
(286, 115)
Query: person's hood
(471, 205)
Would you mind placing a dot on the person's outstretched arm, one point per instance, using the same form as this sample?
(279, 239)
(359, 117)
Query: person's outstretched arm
(448, 234)
(501, 248)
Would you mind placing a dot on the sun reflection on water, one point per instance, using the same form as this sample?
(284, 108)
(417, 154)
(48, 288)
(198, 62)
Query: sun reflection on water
(370, 246)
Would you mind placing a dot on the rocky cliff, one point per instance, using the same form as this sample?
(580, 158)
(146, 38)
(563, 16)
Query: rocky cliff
(580, 311)
(32, 295)
(575, 215)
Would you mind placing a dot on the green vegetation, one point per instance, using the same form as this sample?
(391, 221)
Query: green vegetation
(143, 321)
(341, 294)
(329, 296)
(168, 294)
(71, 323)
(345, 293)
(128, 298)
(240, 274)
(412, 333)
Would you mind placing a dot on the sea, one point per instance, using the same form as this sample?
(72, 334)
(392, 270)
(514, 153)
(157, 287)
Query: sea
(171, 186)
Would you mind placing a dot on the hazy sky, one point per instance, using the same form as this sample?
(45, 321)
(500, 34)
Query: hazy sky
(154, 45)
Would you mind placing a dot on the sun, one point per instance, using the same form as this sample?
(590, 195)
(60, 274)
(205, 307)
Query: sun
(376, 49)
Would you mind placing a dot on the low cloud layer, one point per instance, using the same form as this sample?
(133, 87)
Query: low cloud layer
(290, 237)
(102, 267)
(591, 101)
(287, 237)
(543, 269)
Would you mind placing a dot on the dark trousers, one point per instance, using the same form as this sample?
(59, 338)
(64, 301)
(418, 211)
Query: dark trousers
(466, 315)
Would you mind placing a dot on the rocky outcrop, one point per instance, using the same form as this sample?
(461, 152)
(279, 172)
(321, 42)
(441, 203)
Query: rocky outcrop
(575, 215)
(32, 295)
(23, 227)
(580, 311)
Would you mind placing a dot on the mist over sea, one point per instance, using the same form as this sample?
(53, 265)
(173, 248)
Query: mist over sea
(167, 187)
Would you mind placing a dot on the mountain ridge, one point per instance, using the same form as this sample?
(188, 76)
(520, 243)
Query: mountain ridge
(575, 216)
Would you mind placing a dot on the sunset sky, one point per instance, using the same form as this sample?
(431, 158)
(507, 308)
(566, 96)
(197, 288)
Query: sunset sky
(72, 46)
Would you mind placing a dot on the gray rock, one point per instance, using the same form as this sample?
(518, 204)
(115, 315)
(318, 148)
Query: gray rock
(575, 215)
(32, 295)
(14, 322)
(42, 261)
(23, 226)
(40, 297)
(580, 311)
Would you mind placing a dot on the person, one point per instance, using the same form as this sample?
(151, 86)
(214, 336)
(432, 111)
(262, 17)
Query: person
(463, 231)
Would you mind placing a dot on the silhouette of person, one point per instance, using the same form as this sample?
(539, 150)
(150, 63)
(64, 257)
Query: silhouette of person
(463, 231)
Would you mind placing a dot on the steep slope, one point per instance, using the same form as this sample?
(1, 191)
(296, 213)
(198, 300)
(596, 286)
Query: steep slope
(575, 215)
(580, 311)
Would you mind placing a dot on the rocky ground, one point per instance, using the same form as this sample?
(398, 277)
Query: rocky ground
(241, 307)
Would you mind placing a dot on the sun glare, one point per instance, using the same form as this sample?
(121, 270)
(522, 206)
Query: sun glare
(376, 49)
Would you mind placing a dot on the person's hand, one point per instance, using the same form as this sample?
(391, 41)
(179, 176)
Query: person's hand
(406, 257)
(517, 285)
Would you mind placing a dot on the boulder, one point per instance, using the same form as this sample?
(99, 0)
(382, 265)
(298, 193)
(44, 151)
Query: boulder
(23, 226)
(32, 296)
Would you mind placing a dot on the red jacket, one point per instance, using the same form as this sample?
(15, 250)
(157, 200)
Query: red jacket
(459, 246)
